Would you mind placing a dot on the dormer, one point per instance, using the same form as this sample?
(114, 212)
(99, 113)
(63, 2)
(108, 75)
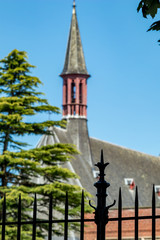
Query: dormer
(157, 190)
(95, 173)
(129, 182)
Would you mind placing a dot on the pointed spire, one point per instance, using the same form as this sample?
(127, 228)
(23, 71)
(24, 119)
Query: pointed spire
(74, 7)
(74, 60)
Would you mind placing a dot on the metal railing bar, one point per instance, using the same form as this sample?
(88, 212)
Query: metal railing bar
(79, 220)
(136, 214)
(66, 218)
(153, 215)
(119, 215)
(50, 218)
(34, 218)
(133, 218)
(19, 219)
(47, 221)
(4, 218)
(82, 217)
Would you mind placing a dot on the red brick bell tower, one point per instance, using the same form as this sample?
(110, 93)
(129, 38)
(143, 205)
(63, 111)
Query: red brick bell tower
(74, 75)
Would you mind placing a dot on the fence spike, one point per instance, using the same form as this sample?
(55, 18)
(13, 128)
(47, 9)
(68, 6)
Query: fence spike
(136, 213)
(19, 219)
(120, 215)
(82, 217)
(66, 218)
(34, 217)
(153, 214)
(50, 217)
(102, 158)
(4, 217)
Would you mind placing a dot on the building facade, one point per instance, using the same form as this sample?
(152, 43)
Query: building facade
(127, 168)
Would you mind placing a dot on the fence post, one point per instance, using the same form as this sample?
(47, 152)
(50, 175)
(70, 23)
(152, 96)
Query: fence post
(101, 211)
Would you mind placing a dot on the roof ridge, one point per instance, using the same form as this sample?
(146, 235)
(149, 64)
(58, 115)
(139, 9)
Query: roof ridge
(125, 148)
(61, 129)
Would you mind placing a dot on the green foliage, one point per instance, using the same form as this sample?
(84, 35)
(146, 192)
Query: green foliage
(150, 7)
(38, 170)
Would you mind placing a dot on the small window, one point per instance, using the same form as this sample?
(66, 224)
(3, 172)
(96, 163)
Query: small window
(95, 173)
(157, 190)
(80, 93)
(130, 182)
(66, 92)
(73, 92)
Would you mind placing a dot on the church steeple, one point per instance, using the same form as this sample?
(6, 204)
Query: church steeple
(74, 60)
(74, 74)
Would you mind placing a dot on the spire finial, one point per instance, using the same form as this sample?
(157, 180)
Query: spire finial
(74, 6)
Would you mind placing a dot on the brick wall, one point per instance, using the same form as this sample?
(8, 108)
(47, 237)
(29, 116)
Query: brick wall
(145, 226)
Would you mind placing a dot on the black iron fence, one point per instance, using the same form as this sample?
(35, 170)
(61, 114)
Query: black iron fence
(101, 214)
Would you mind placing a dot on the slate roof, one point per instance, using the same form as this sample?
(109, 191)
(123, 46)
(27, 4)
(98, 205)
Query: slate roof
(127, 163)
(74, 60)
(124, 163)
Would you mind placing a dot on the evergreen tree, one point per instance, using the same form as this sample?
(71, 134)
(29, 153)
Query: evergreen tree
(20, 168)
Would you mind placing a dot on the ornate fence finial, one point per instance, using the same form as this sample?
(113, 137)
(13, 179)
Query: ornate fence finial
(101, 211)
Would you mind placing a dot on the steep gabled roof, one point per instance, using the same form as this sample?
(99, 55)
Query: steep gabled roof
(127, 163)
(74, 60)
(124, 163)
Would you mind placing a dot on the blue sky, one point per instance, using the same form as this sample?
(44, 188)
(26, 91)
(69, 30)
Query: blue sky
(122, 58)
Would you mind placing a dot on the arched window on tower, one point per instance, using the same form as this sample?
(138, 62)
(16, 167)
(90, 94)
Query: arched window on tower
(80, 93)
(73, 92)
(66, 92)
